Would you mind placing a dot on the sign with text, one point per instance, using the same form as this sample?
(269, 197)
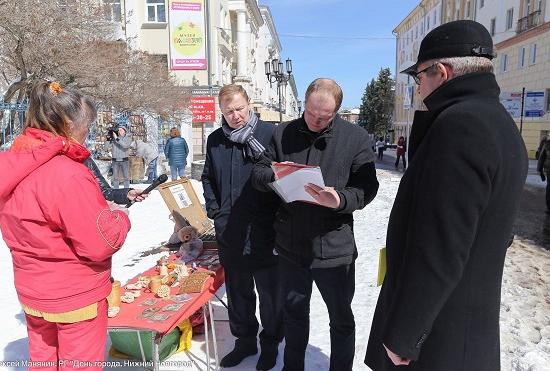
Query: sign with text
(534, 104)
(204, 109)
(187, 35)
(512, 103)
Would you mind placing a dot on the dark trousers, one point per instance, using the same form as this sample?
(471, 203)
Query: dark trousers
(404, 161)
(547, 191)
(239, 285)
(337, 286)
(380, 153)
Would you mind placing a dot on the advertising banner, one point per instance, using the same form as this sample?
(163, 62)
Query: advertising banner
(187, 35)
(204, 109)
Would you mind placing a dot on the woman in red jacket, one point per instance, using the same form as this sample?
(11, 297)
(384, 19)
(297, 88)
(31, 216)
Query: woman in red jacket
(400, 152)
(60, 231)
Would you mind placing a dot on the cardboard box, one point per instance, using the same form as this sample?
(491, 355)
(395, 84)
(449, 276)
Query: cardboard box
(183, 203)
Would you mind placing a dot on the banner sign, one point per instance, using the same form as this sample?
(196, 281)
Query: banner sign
(534, 104)
(187, 35)
(512, 103)
(204, 109)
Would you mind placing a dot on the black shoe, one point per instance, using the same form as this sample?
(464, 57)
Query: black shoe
(243, 348)
(268, 358)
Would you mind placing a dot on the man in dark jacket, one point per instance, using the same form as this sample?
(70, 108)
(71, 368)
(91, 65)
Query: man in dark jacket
(543, 167)
(315, 242)
(452, 217)
(243, 218)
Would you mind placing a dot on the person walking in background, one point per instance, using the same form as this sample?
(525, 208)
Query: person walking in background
(543, 167)
(243, 217)
(316, 242)
(60, 230)
(150, 153)
(380, 146)
(451, 221)
(120, 149)
(176, 151)
(400, 152)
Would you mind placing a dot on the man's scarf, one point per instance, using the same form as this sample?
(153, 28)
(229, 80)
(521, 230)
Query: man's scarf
(245, 135)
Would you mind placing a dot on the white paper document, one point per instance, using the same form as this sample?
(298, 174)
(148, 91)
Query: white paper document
(291, 187)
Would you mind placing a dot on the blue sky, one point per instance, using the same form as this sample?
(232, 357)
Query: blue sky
(347, 40)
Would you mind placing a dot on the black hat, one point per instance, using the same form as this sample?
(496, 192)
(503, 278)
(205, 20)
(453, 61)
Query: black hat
(455, 39)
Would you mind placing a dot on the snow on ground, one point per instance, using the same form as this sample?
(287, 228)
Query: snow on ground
(525, 335)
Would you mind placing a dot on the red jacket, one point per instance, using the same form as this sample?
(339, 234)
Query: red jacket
(57, 224)
(401, 147)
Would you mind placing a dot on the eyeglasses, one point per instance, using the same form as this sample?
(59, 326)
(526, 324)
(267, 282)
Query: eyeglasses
(229, 112)
(415, 75)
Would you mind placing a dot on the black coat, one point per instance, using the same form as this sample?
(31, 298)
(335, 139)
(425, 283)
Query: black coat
(448, 233)
(243, 216)
(308, 234)
(119, 196)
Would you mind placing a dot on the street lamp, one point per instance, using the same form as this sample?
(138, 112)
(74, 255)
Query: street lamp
(274, 71)
(299, 108)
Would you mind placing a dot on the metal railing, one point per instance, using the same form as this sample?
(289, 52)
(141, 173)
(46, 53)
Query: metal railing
(530, 21)
(12, 119)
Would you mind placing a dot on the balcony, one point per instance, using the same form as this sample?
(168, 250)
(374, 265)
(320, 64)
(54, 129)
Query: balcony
(531, 21)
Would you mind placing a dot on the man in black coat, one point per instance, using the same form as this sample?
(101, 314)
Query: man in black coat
(315, 242)
(448, 232)
(243, 219)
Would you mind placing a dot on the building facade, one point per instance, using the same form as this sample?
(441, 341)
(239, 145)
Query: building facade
(239, 35)
(521, 34)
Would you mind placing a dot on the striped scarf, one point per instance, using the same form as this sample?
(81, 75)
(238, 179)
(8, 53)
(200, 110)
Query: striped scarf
(245, 135)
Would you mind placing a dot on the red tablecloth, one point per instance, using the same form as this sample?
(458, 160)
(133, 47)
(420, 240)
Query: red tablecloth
(130, 313)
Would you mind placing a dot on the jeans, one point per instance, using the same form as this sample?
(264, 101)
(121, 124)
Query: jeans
(152, 171)
(124, 167)
(177, 171)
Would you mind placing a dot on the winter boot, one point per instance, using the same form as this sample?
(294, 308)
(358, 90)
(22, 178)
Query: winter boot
(268, 356)
(244, 347)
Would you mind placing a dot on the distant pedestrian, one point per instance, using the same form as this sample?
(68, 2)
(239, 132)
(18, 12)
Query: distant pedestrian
(543, 167)
(176, 151)
(380, 146)
(400, 152)
(150, 153)
(120, 149)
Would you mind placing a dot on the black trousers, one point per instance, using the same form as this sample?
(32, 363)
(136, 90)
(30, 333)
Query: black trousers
(239, 285)
(337, 286)
(547, 191)
(404, 161)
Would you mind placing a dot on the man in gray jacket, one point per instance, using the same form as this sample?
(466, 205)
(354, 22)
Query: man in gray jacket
(120, 148)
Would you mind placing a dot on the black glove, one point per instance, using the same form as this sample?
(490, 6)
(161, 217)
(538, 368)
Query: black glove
(542, 176)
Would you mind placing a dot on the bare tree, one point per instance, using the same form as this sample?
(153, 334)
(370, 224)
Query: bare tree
(70, 41)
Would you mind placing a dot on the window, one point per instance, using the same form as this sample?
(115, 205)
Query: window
(112, 10)
(435, 18)
(509, 18)
(493, 26)
(521, 57)
(416, 32)
(467, 9)
(533, 54)
(428, 24)
(481, 3)
(504, 63)
(156, 11)
(547, 100)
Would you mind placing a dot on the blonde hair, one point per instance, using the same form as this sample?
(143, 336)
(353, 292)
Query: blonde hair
(53, 109)
(228, 91)
(329, 86)
(175, 132)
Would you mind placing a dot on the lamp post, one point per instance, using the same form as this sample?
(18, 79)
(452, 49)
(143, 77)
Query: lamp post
(275, 72)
